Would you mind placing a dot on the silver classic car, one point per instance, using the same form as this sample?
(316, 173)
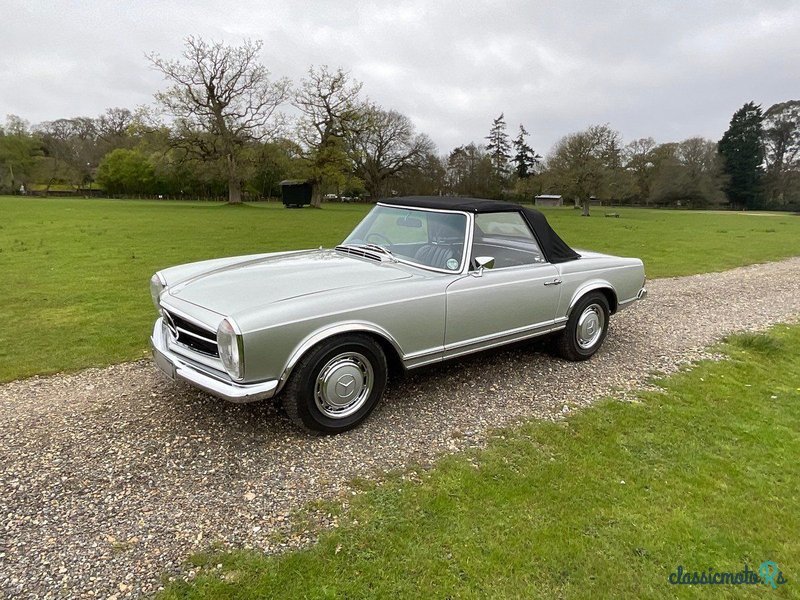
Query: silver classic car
(420, 280)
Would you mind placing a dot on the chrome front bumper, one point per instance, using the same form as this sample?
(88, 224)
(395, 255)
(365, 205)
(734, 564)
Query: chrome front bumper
(175, 367)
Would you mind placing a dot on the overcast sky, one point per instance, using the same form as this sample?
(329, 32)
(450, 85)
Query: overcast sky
(669, 70)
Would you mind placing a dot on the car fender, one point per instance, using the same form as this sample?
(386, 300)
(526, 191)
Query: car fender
(330, 331)
(590, 286)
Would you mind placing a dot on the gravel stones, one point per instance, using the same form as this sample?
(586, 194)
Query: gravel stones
(110, 478)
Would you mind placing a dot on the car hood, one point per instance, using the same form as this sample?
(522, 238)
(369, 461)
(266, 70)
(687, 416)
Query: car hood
(257, 281)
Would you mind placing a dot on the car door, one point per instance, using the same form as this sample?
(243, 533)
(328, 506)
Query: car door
(514, 299)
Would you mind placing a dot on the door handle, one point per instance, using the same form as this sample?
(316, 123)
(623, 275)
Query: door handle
(554, 282)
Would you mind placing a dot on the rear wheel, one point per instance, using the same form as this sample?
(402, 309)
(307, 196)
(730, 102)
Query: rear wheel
(586, 328)
(337, 384)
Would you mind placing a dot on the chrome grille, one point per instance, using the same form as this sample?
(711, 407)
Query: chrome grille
(191, 335)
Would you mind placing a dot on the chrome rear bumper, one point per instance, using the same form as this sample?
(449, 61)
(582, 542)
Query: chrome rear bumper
(175, 367)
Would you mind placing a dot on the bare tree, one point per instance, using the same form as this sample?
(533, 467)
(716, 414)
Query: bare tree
(385, 145)
(782, 152)
(221, 99)
(330, 110)
(113, 124)
(469, 171)
(71, 150)
(427, 178)
(587, 163)
(639, 161)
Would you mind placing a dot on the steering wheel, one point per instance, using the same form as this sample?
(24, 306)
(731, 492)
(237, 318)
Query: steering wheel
(380, 236)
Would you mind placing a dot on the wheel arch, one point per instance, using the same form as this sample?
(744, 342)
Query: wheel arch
(603, 287)
(391, 348)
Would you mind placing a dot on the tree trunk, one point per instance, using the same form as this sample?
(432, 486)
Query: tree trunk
(374, 189)
(585, 211)
(234, 191)
(234, 185)
(316, 195)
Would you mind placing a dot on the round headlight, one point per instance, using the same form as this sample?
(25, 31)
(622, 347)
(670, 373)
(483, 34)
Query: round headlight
(229, 342)
(157, 285)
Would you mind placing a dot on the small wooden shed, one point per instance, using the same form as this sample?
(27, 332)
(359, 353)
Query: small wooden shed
(549, 200)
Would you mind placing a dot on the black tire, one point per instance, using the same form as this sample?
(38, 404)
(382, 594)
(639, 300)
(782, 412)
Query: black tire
(323, 403)
(572, 346)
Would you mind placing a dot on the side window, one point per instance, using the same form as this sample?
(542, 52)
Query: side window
(506, 237)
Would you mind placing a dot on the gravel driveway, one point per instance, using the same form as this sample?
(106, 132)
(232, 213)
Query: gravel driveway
(111, 477)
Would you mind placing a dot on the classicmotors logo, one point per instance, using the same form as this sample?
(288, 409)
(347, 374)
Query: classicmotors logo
(767, 574)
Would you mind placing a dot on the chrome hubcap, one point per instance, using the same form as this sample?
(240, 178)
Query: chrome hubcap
(590, 326)
(343, 385)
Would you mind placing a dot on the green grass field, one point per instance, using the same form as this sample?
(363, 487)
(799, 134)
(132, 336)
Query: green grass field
(75, 272)
(604, 505)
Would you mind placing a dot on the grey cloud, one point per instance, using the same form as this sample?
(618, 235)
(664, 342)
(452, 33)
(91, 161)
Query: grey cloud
(664, 69)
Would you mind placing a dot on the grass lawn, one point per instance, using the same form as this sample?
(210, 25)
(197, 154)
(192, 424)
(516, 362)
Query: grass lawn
(75, 272)
(604, 505)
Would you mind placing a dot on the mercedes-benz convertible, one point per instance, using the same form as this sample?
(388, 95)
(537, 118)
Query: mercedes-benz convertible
(420, 280)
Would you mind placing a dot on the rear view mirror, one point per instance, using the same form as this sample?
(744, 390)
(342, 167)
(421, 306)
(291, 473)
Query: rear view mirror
(412, 222)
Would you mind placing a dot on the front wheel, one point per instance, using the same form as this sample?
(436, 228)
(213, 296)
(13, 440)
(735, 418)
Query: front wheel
(586, 328)
(337, 384)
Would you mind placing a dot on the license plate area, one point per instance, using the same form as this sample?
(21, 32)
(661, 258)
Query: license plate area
(164, 365)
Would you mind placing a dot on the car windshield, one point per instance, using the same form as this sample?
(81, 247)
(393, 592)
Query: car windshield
(424, 237)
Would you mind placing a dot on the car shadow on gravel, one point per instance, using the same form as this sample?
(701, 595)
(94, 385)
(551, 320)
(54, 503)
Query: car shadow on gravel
(421, 387)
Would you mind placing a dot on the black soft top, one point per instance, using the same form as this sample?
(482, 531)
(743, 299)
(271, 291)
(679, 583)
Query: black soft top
(554, 248)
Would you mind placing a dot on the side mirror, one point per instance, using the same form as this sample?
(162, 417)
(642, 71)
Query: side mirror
(483, 262)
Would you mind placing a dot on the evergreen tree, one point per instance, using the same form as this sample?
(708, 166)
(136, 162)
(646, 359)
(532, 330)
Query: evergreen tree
(525, 158)
(498, 147)
(742, 149)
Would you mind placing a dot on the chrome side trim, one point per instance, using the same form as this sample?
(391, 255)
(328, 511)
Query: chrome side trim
(423, 353)
(420, 359)
(640, 295)
(501, 335)
(205, 380)
(504, 339)
(413, 364)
